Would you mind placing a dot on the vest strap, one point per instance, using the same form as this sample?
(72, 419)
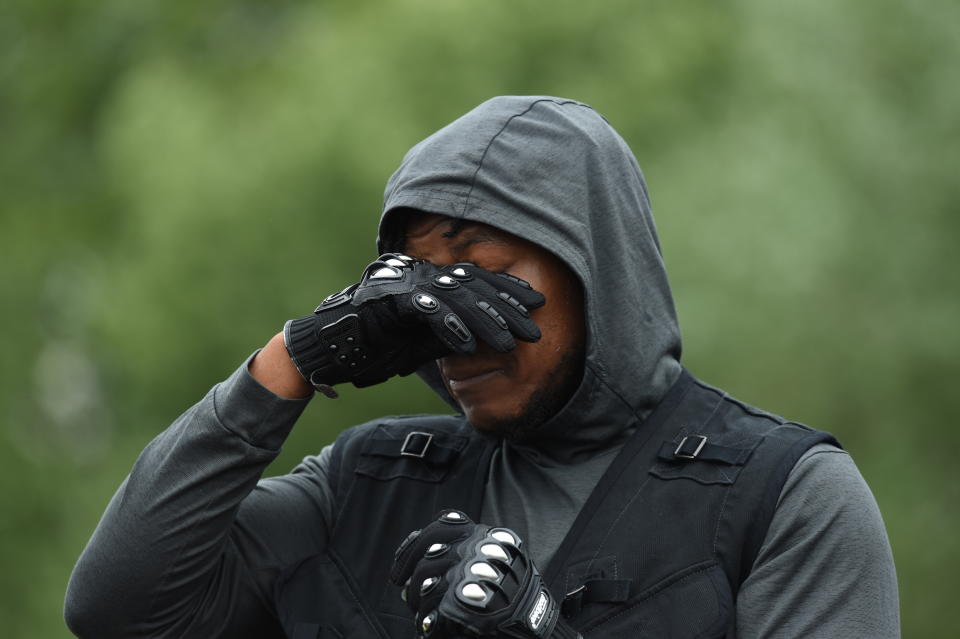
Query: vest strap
(699, 447)
(596, 591)
(611, 590)
(418, 445)
(642, 439)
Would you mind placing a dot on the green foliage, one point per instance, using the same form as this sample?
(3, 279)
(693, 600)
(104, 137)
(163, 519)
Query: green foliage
(179, 178)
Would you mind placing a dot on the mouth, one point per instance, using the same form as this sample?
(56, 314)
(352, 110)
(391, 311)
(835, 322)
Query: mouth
(458, 381)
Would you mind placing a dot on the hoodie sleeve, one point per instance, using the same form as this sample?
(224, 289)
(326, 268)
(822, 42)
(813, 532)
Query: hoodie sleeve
(192, 541)
(825, 568)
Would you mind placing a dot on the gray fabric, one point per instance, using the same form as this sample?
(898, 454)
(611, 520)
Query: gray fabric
(537, 498)
(190, 543)
(554, 171)
(825, 568)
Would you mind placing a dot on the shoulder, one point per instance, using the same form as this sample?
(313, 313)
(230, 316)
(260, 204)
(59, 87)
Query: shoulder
(393, 437)
(825, 568)
(736, 416)
(823, 474)
(825, 502)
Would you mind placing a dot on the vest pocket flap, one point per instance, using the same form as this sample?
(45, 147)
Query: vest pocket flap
(423, 454)
(695, 602)
(709, 458)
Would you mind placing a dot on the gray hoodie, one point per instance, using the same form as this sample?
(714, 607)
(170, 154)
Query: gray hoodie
(555, 172)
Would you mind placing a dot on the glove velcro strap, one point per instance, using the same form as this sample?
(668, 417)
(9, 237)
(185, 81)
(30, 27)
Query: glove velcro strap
(537, 616)
(318, 351)
(303, 345)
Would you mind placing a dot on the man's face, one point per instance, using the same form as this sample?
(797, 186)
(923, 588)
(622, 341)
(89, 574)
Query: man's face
(509, 394)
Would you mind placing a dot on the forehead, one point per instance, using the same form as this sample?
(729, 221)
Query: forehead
(420, 229)
(445, 240)
(419, 223)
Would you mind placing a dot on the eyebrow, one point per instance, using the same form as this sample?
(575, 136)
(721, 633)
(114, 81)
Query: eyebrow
(475, 232)
(455, 227)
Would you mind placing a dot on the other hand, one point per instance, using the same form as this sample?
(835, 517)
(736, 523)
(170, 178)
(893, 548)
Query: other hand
(463, 579)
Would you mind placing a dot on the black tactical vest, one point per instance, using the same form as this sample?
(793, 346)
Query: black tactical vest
(658, 551)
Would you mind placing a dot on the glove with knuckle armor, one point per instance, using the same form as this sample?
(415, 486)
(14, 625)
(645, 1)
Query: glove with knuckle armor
(472, 580)
(405, 312)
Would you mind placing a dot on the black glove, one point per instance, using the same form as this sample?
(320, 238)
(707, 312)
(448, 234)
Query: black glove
(405, 312)
(471, 580)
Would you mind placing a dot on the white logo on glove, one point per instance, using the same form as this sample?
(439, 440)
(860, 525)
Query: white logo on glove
(539, 610)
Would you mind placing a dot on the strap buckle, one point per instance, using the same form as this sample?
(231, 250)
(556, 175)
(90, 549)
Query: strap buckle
(573, 602)
(680, 453)
(416, 444)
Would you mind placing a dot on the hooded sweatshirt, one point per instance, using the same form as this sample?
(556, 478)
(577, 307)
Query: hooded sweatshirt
(194, 542)
(555, 172)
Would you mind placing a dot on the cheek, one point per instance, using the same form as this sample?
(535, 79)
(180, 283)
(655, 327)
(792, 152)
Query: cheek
(563, 310)
(561, 318)
(562, 330)
(560, 324)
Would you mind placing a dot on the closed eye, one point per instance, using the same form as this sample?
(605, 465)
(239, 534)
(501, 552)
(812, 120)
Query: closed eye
(455, 227)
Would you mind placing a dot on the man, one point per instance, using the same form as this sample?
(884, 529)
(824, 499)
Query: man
(614, 494)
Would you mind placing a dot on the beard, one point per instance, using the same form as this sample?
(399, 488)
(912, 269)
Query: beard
(544, 403)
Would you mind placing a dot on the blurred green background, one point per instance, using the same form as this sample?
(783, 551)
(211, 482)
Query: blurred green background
(178, 178)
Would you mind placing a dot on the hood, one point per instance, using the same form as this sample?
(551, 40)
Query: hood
(555, 172)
